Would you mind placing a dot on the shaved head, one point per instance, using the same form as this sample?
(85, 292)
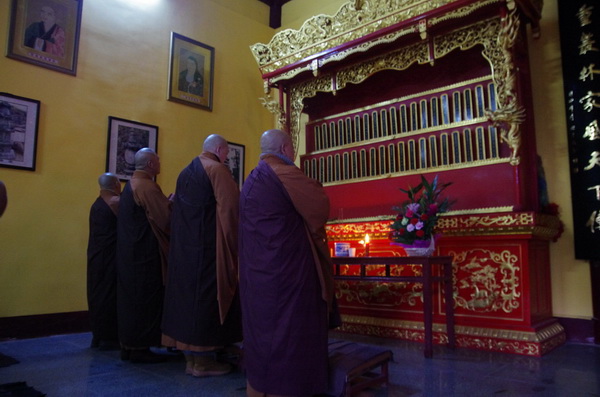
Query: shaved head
(277, 142)
(212, 142)
(216, 145)
(108, 181)
(142, 157)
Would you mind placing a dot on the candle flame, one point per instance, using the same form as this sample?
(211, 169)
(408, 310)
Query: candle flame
(367, 239)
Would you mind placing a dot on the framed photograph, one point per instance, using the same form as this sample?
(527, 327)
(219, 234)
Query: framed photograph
(19, 118)
(125, 138)
(46, 33)
(235, 162)
(191, 72)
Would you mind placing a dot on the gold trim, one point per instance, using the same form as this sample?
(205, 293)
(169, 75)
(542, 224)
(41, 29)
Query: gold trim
(367, 219)
(352, 21)
(487, 210)
(417, 171)
(541, 335)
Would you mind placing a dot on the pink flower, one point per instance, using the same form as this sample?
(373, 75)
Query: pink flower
(413, 207)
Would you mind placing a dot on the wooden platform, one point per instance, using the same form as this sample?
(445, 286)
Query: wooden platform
(354, 367)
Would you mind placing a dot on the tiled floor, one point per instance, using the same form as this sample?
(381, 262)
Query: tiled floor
(64, 365)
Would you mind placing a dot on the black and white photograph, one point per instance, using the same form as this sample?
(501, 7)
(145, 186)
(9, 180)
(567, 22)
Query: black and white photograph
(125, 138)
(235, 162)
(19, 119)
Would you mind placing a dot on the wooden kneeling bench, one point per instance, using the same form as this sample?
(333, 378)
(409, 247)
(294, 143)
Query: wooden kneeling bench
(354, 367)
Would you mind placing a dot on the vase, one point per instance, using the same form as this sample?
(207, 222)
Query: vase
(418, 247)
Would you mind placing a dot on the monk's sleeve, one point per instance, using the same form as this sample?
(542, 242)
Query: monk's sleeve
(158, 208)
(227, 196)
(308, 196)
(311, 201)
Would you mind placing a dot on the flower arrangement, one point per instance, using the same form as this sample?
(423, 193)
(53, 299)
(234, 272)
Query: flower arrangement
(418, 215)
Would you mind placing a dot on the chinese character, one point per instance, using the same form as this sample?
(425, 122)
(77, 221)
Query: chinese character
(595, 160)
(588, 71)
(587, 43)
(592, 131)
(585, 15)
(592, 221)
(597, 189)
(588, 101)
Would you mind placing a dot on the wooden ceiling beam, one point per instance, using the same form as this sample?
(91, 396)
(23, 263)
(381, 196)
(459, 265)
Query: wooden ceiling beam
(275, 12)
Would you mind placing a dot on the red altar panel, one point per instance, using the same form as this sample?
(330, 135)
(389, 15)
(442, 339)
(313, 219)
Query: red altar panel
(501, 283)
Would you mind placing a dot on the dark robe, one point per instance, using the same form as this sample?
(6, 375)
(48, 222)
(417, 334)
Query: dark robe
(285, 288)
(140, 289)
(102, 271)
(196, 87)
(203, 242)
(53, 39)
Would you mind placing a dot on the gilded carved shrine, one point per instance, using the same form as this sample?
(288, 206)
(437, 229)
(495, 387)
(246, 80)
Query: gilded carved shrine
(385, 91)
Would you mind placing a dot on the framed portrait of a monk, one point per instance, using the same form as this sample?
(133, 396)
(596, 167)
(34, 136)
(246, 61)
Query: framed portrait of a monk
(46, 33)
(191, 69)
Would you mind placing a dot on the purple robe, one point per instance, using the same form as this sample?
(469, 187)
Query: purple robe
(284, 314)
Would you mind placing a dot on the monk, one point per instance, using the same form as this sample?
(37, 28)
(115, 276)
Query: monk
(143, 229)
(286, 282)
(202, 311)
(102, 264)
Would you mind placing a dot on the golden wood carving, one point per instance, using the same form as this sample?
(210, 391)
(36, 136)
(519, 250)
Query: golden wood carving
(491, 280)
(397, 60)
(359, 228)
(275, 108)
(472, 222)
(509, 112)
(381, 294)
(355, 19)
(540, 225)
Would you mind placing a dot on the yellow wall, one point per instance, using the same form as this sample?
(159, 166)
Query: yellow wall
(571, 286)
(122, 72)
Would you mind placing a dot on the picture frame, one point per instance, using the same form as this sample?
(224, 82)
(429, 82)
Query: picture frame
(235, 162)
(19, 120)
(191, 72)
(125, 138)
(56, 47)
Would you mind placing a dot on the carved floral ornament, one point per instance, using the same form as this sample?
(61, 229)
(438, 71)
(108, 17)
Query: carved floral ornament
(354, 20)
(497, 36)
